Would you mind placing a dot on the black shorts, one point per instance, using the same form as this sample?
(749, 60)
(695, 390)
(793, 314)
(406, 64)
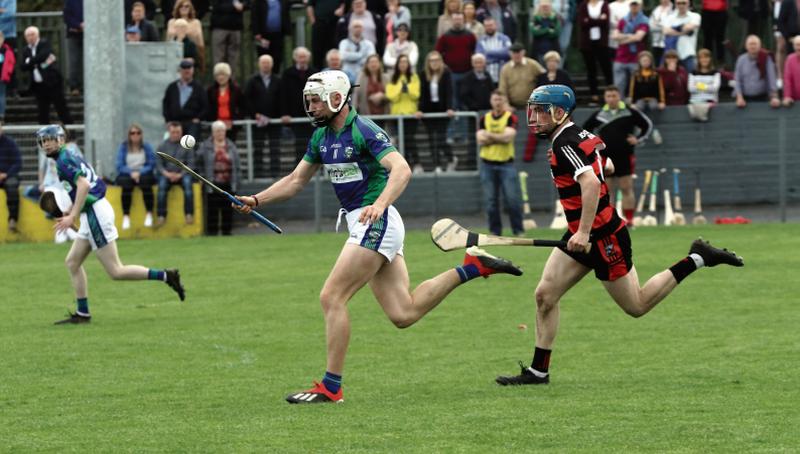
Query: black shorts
(610, 257)
(624, 163)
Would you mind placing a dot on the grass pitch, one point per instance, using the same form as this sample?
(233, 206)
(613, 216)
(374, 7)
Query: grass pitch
(713, 368)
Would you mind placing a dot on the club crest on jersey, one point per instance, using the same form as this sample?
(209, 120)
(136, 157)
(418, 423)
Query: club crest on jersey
(348, 152)
(382, 137)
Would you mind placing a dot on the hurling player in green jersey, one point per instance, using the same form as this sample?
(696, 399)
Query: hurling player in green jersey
(368, 175)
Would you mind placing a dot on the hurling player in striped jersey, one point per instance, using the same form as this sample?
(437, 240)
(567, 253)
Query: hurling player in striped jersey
(597, 238)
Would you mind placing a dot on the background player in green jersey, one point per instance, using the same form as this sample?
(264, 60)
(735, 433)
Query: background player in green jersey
(368, 175)
(97, 231)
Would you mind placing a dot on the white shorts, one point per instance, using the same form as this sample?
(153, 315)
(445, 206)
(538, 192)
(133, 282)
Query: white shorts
(384, 236)
(97, 224)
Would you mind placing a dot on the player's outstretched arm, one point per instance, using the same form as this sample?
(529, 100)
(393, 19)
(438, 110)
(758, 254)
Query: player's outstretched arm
(399, 176)
(283, 189)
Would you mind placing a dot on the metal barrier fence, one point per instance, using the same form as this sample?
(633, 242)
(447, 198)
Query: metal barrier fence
(742, 157)
(273, 150)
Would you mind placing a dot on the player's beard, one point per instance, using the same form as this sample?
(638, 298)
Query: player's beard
(543, 131)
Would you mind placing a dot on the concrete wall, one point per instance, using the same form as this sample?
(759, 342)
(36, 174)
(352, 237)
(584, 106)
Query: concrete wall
(150, 67)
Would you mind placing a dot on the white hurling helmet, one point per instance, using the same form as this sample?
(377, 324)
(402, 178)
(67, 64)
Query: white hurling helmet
(324, 84)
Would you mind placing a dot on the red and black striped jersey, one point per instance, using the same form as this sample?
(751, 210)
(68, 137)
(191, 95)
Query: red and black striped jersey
(574, 152)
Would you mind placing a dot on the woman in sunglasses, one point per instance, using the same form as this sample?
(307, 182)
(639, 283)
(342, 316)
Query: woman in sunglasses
(136, 162)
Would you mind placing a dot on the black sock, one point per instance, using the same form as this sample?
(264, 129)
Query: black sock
(541, 359)
(683, 268)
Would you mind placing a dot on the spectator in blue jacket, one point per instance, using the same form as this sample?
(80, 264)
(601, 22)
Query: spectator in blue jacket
(10, 164)
(136, 163)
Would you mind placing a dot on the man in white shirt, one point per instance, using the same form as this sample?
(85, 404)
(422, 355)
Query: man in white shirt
(683, 25)
(616, 12)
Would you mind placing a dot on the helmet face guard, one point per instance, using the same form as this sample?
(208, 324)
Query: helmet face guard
(533, 118)
(51, 132)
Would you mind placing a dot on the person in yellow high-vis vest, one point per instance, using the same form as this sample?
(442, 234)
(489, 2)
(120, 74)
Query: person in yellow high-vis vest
(498, 175)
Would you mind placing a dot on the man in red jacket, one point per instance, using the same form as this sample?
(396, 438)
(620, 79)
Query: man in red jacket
(457, 46)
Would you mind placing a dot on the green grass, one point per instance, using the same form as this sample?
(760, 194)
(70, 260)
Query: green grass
(713, 368)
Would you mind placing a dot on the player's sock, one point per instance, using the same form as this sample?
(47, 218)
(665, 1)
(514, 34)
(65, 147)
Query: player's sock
(157, 275)
(541, 361)
(468, 272)
(628, 215)
(83, 306)
(687, 266)
(332, 382)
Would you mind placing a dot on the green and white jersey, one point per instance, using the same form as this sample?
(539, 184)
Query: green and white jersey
(351, 157)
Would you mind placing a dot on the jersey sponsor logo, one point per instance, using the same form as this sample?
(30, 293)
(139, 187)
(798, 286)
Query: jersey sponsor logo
(336, 147)
(585, 134)
(323, 149)
(344, 173)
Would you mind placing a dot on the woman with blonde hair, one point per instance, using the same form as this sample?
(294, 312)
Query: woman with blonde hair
(436, 96)
(554, 73)
(471, 21)
(225, 101)
(184, 9)
(190, 52)
(369, 96)
(136, 164)
(445, 21)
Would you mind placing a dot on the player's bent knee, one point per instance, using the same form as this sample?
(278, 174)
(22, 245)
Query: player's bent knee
(635, 312)
(72, 264)
(115, 273)
(402, 322)
(544, 299)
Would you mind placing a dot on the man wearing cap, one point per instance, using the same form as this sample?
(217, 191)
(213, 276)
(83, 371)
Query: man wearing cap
(517, 81)
(185, 100)
(132, 34)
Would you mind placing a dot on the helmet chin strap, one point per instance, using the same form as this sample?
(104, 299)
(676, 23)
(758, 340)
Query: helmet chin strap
(553, 115)
(558, 122)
